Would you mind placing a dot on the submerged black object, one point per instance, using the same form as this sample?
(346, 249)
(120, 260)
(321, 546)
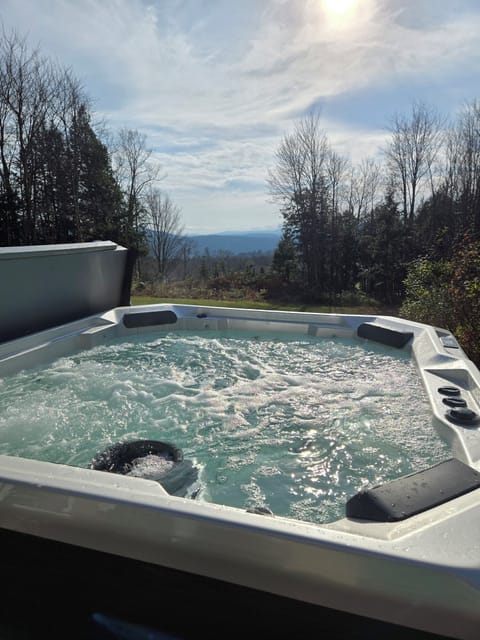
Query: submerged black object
(455, 402)
(449, 391)
(384, 335)
(150, 459)
(463, 416)
(412, 494)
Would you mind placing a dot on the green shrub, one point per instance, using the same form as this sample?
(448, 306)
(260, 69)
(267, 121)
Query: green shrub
(354, 298)
(427, 293)
(447, 294)
(464, 290)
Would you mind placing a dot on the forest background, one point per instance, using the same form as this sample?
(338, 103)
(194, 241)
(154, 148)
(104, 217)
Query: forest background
(398, 231)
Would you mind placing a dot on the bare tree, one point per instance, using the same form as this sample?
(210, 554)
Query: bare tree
(56, 180)
(414, 145)
(336, 169)
(364, 188)
(300, 168)
(69, 102)
(167, 239)
(300, 184)
(337, 166)
(463, 165)
(8, 226)
(26, 90)
(134, 170)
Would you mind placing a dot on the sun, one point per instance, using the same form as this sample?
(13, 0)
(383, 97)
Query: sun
(339, 7)
(340, 14)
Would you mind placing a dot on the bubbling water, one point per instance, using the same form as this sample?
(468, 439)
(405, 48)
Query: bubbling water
(295, 424)
(151, 467)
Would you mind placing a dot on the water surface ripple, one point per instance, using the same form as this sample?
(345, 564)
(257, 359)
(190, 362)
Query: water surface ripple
(294, 424)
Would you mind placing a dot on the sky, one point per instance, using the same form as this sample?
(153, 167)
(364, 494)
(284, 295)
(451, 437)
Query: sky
(216, 84)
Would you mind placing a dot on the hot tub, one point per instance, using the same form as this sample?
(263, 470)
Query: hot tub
(404, 556)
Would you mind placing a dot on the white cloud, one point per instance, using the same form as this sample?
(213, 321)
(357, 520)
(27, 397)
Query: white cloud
(226, 79)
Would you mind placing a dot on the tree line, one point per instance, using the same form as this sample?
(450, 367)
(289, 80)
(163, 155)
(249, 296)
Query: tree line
(348, 227)
(65, 178)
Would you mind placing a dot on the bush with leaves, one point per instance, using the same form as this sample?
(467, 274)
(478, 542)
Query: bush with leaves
(464, 291)
(446, 293)
(427, 293)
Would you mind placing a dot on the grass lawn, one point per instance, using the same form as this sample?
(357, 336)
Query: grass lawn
(250, 304)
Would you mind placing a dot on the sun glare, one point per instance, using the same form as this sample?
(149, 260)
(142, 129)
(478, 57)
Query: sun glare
(340, 14)
(339, 7)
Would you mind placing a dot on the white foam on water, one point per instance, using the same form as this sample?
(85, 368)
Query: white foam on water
(293, 424)
(151, 467)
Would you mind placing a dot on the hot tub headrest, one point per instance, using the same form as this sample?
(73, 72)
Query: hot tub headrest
(384, 335)
(414, 493)
(149, 318)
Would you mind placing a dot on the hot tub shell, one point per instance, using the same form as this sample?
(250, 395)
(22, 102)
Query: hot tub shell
(422, 572)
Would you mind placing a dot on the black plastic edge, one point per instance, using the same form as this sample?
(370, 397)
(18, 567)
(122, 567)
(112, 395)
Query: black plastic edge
(389, 337)
(149, 318)
(152, 601)
(125, 292)
(412, 494)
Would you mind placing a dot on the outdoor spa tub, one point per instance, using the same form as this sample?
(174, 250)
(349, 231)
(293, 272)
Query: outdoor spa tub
(276, 551)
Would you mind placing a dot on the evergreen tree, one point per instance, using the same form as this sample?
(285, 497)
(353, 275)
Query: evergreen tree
(285, 260)
(381, 253)
(56, 178)
(97, 197)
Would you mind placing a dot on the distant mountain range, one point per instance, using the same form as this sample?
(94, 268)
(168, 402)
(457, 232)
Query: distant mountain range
(235, 243)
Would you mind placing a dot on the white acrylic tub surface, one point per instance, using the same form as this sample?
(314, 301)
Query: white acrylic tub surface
(422, 572)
